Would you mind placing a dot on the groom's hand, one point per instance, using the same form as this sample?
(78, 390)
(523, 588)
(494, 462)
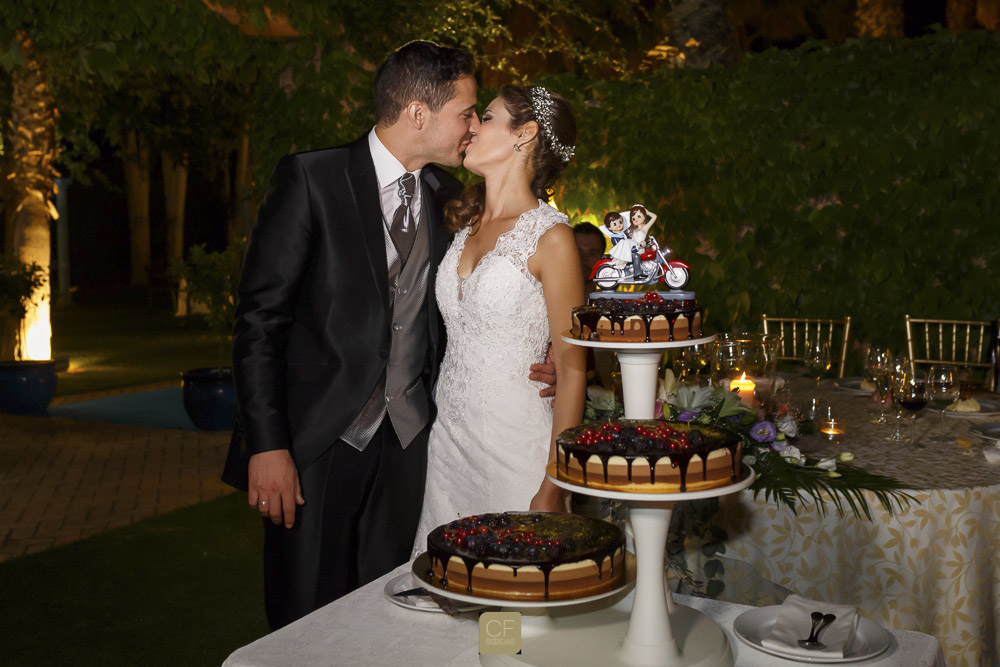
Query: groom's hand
(546, 373)
(274, 486)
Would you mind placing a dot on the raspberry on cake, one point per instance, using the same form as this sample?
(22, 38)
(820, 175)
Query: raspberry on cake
(527, 556)
(648, 456)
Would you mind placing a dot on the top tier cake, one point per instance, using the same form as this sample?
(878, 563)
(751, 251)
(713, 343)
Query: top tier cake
(635, 258)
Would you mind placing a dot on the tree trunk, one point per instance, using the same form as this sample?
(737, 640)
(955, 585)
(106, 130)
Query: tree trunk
(960, 15)
(988, 14)
(879, 18)
(33, 152)
(175, 176)
(243, 206)
(703, 33)
(136, 160)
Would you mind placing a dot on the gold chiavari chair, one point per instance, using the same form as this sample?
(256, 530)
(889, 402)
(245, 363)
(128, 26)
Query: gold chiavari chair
(970, 344)
(794, 331)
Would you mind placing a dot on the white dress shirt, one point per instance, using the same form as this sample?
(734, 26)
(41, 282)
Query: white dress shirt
(388, 170)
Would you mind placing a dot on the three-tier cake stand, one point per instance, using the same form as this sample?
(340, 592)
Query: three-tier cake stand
(645, 628)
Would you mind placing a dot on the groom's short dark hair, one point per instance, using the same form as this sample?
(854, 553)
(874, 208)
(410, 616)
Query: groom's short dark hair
(421, 71)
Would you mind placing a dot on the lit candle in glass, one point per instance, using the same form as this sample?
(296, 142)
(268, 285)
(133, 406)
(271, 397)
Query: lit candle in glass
(745, 386)
(833, 429)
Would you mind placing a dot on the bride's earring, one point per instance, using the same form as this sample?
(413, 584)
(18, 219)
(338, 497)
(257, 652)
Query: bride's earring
(517, 148)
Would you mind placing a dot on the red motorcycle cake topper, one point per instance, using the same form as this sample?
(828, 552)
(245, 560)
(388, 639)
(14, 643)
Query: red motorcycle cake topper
(634, 257)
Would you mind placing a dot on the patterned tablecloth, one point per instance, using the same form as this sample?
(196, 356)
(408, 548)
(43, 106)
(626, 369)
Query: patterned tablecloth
(934, 567)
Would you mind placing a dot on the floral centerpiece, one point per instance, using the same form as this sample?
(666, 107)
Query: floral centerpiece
(784, 473)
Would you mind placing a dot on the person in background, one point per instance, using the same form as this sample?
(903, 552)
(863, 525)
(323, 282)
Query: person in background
(590, 244)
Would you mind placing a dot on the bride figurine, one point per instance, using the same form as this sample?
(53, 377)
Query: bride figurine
(626, 242)
(505, 288)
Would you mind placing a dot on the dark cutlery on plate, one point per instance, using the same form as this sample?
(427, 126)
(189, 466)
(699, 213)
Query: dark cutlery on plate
(819, 623)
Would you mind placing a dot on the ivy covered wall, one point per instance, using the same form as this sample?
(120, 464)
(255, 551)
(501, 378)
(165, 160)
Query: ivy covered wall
(858, 180)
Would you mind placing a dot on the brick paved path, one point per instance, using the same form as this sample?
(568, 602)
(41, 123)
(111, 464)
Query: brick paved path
(65, 479)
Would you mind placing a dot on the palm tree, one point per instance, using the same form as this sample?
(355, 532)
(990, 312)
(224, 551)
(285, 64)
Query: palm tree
(30, 166)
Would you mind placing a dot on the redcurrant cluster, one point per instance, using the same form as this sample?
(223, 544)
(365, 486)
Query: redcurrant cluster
(639, 439)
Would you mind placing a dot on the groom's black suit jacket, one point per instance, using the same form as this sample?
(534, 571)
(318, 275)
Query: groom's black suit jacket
(312, 331)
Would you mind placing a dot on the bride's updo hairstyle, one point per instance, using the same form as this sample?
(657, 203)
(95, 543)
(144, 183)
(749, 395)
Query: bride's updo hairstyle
(553, 148)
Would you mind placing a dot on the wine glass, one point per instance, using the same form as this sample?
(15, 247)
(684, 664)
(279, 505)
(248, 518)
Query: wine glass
(913, 397)
(898, 376)
(876, 361)
(942, 390)
(817, 357)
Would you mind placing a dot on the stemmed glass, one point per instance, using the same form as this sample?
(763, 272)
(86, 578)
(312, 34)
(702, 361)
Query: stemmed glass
(817, 356)
(876, 362)
(913, 397)
(898, 377)
(942, 383)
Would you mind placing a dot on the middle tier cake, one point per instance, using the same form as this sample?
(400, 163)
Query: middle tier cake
(640, 456)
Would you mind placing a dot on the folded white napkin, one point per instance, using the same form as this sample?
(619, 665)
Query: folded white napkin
(794, 622)
(992, 454)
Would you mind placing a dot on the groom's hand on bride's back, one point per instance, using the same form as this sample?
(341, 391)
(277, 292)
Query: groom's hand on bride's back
(545, 372)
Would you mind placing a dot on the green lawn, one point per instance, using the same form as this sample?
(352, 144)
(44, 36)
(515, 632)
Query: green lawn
(112, 346)
(184, 588)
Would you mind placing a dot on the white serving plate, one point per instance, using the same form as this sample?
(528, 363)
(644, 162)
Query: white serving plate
(870, 639)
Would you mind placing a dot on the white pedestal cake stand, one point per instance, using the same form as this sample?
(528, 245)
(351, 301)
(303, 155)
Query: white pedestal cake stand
(640, 364)
(649, 629)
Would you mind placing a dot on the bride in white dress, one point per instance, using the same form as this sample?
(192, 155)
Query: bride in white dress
(505, 288)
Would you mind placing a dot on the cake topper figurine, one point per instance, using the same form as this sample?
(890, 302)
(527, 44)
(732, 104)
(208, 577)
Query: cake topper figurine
(635, 258)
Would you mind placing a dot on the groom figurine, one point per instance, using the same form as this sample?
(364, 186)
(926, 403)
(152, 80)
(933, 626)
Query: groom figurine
(336, 343)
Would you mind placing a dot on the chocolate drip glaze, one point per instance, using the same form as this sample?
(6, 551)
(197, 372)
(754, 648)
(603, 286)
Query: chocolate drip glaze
(678, 452)
(617, 312)
(598, 541)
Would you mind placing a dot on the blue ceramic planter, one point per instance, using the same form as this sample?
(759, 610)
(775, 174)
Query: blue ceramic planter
(209, 398)
(27, 387)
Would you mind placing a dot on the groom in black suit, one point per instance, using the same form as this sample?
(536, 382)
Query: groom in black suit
(336, 343)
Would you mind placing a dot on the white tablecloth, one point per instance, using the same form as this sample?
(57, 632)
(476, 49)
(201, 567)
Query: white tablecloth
(932, 567)
(364, 629)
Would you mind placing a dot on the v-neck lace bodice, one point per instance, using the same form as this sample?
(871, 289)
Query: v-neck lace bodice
(489, 444)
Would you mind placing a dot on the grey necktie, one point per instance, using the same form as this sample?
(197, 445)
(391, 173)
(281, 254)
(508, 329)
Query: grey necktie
(402, 229)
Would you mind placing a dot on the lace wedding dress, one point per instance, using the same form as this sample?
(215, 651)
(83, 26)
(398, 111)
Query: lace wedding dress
(490, 443)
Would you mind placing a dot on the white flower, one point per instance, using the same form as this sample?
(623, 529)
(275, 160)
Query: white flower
(792, 454)
(827, 464)
(750, 460)
(787, 426)
(846, 456)
(692, 398)
(602, 399)
(667, 387)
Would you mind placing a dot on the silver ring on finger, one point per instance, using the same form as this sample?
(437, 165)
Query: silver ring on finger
(263, 503)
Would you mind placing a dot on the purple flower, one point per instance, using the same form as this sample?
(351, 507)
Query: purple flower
(763, 431)
(686, 416)
(779, 445)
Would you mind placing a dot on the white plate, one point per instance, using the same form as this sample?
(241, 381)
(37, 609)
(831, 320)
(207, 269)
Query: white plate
(987, 408)
(753, 625)
(987, 431)
(635, 347)
(405, 582)
(851, 383)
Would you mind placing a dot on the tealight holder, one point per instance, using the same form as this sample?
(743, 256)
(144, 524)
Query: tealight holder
(831, 427)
